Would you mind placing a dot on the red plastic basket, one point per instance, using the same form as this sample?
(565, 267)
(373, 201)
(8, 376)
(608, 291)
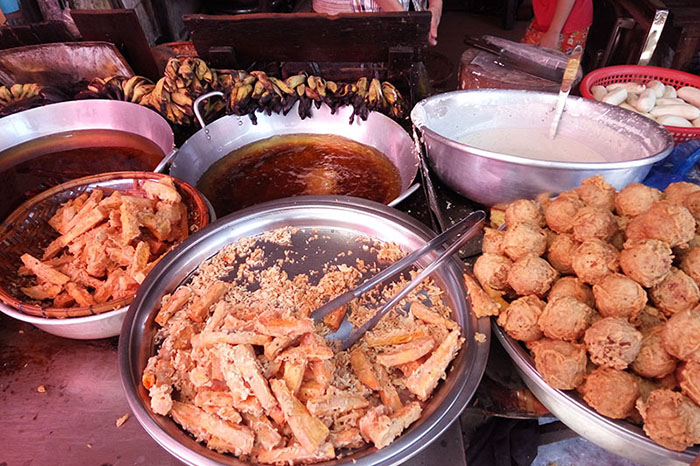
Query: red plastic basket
(644, 74)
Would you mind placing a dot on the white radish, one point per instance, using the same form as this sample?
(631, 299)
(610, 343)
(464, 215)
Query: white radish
(670, 92)
(616, 96)
(669, 101)
(674, 120)
(598, 92)
(696, 122)
(633, 87)
(690, 95)
(629, 106)
(646, 100)
(657, 86)
(686, 111)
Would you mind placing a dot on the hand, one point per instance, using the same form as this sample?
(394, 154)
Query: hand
(435, 7)
(550, 40)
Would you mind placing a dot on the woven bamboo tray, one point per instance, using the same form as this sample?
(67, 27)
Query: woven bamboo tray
(26, 230)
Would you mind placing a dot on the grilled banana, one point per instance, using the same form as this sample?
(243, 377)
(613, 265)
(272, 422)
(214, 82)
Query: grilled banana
(295, 81)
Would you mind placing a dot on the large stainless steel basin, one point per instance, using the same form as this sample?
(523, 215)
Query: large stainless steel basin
(629, 142)
(343, 221)
(230, 132)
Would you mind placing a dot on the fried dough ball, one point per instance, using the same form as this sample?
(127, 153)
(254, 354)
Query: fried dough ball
(670, 381)
(690, 264)
(692, 203)
(592, 223)
(493, 241)
(678, 192)
(680, 252)
(560, 213)
(560, 251)
(647, 386)
(622, 223)
(594, 259)
(492, 270)
(677, 292)
(665, 221)
(647, 261)
(681, 335)
(670, 419)
(524, 211)
(531, 275)
(618, 240)
(611, 392)
(551, 236)
(560, 363)
(649, 317)
(522, 239)
(612, 342)
(619, 296)
(519, 320)
(635, 199)
(596, 192)
(574, 287)
(565, 318)
(653, 360)
(688, 375)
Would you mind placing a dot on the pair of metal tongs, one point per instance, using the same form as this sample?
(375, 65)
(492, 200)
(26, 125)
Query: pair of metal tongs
(348, 334)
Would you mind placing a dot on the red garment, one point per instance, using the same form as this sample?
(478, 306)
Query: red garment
(580, 18)
(567, 42)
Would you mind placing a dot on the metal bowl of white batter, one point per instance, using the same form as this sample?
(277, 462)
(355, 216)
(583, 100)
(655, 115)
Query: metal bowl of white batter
(593, 138)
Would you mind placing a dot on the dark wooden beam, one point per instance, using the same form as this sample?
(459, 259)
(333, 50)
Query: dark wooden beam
(275, 37)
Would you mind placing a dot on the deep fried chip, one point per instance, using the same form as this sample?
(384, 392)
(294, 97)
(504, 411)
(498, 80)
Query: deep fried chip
(363, 369)
(407, 352)
(80, 294)
(44, 272)
(309, 431)
(43, 291)
(424, 380)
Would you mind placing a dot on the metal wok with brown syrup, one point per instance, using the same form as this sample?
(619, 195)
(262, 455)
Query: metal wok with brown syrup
(44, 147)
(227, 134)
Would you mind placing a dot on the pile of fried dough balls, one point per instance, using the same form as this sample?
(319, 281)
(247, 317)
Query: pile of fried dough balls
(603, 290)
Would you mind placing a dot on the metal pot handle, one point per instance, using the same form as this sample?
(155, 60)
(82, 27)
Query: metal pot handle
(198, 101)
(164, 165)
(401, 197)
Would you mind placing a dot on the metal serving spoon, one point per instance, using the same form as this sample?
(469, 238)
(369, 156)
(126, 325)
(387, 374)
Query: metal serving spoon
(566, 84)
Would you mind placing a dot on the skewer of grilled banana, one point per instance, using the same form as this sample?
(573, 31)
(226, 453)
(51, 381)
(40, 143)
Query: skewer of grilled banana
(19, 97)
(247, 93)
(18, 92)
(186, 78)
(136, 89)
